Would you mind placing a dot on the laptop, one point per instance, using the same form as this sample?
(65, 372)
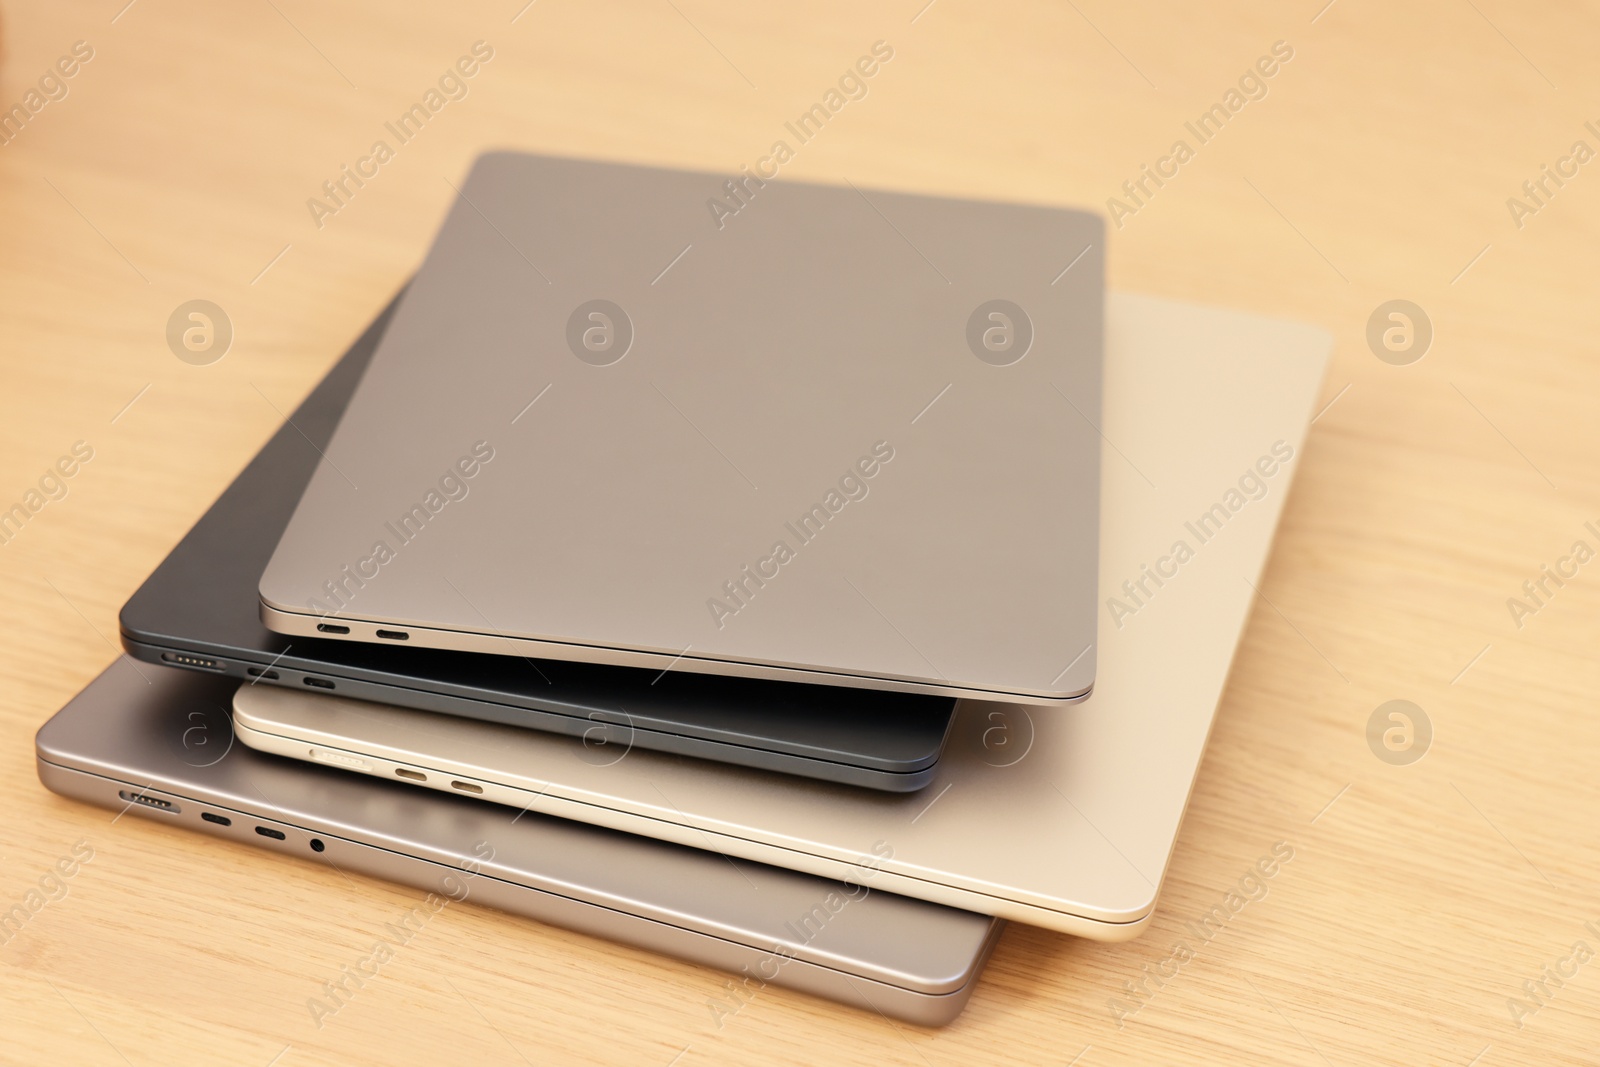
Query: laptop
(845, 437)
(156, 744)
(198, 611)
(1058, 817)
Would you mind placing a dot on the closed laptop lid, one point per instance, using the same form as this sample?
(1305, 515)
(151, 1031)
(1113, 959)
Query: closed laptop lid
(841, 433)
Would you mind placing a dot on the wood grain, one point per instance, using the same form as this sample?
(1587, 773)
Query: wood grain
(1377, 166)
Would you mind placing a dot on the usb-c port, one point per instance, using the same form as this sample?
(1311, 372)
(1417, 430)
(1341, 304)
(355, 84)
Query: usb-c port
(267, 831)
(394, 635)
(317, 683)
(466, 787)
(332, 628)
(220, 820)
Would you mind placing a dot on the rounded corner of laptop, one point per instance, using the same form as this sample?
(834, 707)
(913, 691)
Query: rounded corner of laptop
(241, 703)
(912, 781)
(279, 617)
(46, 750)
(251, 735)
(135, 641)
(1127, 931)
(1127, 922)
(128, 623)
(916, 765)
(491, 159)
(1111, 918)
(1076, 683)
(1057, 698)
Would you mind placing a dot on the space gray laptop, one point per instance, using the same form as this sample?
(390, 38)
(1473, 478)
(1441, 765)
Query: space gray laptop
(156, 742)
(827, 434)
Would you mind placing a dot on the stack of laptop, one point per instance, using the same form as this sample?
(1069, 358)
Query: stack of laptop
(729, 582)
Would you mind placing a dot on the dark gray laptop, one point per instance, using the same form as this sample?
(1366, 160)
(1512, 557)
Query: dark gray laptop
(157, 743)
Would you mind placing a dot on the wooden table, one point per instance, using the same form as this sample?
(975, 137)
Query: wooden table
(1373, 164)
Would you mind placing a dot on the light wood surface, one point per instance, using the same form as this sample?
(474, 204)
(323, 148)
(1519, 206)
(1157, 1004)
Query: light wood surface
(1377, 166)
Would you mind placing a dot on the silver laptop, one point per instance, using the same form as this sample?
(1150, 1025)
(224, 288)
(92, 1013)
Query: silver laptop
(1058, 817)
(841, 436)
(155, 742)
